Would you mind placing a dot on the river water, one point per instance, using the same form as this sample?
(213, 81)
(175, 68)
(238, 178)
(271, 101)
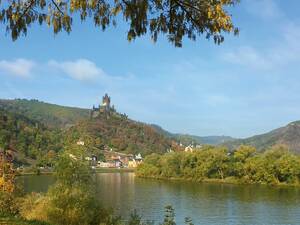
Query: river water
(205, 203)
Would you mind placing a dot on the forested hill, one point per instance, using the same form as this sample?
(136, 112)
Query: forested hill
(33, 128)
(288, 135)
(49, 114)
(121, 134)
(27, 138)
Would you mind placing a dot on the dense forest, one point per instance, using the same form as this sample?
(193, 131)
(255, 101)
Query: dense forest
(276, 165)
(28, 139)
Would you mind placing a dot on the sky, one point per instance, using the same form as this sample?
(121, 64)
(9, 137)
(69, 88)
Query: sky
(248, 85)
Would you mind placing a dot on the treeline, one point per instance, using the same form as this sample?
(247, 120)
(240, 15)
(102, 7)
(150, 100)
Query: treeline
(244, 165)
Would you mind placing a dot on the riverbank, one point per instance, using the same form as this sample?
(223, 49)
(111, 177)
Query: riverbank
(97, 170)
(227, 180)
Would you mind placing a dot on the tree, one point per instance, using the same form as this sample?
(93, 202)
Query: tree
(175, 18)
(6, 167)
(170, 164)
(169, 216)
(135, 219)
(7, 173)
(7, 184)
(240, 156)
(71, 199)
(188, 221)
(212, 162)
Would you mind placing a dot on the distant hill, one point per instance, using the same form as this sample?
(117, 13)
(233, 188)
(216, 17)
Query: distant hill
(187, 139)
(288, 135)
(49, 114)
(215, 140)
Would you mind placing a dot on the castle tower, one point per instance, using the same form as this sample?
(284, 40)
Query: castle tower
(104, 107)
(106, 101)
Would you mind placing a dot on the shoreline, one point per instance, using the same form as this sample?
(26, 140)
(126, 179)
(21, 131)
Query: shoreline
(97, 170)
(218, 181)
(229, 180)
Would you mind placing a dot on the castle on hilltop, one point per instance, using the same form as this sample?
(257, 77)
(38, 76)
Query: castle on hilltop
(104, 108)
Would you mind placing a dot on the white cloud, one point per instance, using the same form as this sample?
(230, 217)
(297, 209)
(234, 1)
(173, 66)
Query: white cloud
(284, 52)
(81, 69)
(18, 67)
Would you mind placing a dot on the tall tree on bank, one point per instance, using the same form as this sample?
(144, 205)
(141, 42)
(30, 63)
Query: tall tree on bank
(174, 18)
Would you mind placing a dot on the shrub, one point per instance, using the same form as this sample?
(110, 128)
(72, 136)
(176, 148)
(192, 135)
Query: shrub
(34, 207)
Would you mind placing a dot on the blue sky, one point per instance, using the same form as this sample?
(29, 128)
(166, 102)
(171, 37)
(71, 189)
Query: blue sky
(248, 85)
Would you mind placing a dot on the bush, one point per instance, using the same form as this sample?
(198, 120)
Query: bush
(34, 207)
(8, 204)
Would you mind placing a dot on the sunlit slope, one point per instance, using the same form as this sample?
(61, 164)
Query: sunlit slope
(51, 115)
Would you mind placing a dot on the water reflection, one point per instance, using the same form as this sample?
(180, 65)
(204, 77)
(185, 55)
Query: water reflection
(205, 203)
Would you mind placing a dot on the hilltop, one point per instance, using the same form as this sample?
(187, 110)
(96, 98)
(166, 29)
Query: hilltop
(288, 135)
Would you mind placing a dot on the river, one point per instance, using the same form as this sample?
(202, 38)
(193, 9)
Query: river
(205, 203)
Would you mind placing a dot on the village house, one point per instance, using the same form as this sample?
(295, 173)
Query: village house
(189, 148)
(135, 161)
(115, 163)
